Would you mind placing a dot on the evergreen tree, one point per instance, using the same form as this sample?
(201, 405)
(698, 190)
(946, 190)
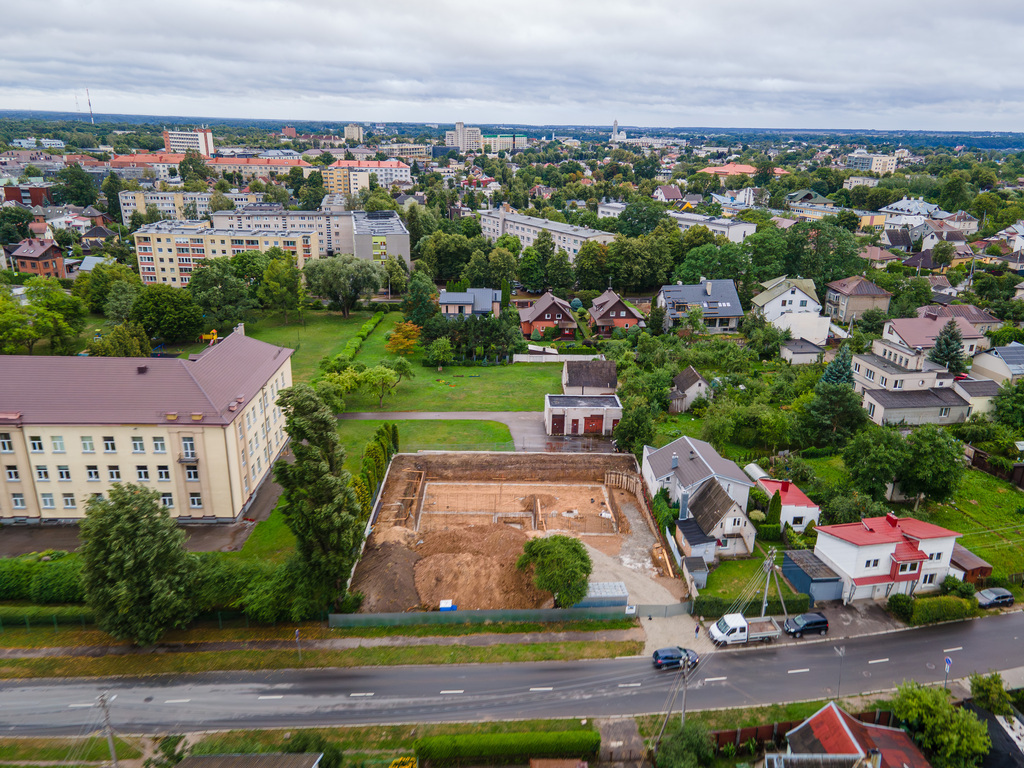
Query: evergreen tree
(949, 348)
(419, 305)
(840, 370)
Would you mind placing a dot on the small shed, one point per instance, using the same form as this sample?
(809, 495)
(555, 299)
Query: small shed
(698, 570)
(754, 472)
(810, 576)
(605, 594)
(800, 352)
(581, 414)
(973, 567)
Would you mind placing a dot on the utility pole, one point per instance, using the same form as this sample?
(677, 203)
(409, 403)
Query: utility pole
(841, 653)
(105, 706)
(686, 685)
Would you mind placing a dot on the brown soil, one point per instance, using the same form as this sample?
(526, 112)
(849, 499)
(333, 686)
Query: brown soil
(385, 577)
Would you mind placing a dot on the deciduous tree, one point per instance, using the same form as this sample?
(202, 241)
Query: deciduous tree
(221, 295)
(343, 279)
(281, 287)
(935, 464)
(167, 313)
(561, 566)
(403, 338)
(124, 340)
(953, 736)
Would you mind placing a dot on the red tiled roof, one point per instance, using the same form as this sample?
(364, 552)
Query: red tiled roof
(33, 249)
(791, 495)
(155, 157)
(831, 731)
(907, 552)
(879, 530)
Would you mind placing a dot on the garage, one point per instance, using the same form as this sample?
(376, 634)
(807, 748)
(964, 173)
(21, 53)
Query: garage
(809, 575)
(581, 414)
(593, 425)
(558, 424)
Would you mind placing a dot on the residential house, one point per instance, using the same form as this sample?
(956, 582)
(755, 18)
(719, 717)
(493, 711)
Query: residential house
(877, 257)
(978, 318)
(96, 237)
(581, 414)
(668, 194)
(921, 332)
(801, 352)
(548, 311)
(203, 432)
(39, 257)
(785, 295)
(908, 212)
(851, 297)
(608, 312)
(979, 393)
(832, 738)
(712, 524)
(716, 299)
(932, 232)
(808, 326)
(808, 197)
(881, 556)
(589, 377)
(963, 221)
(685, 464)
(797, 509)
(472, 301)
(1000, 364)
(940, 284)
(897, 239)
(687, 386)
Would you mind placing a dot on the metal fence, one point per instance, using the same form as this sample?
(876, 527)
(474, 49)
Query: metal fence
(542, 615)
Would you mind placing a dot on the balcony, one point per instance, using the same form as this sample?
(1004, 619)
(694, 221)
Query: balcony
(188, 457)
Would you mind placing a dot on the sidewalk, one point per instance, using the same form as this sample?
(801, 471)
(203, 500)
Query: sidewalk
(340, 644)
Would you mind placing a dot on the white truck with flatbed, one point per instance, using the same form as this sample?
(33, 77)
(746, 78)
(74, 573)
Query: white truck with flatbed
(734, 629)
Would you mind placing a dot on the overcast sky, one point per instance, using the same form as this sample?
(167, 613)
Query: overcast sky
(884, 64)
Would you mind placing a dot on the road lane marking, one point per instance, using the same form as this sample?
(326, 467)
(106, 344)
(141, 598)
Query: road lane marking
(950, 650)
(77, 706)
(798, 671)
(177, 701)
(360, 694)
(445, 693)
(879, 661)
(630, 685)
(714, 679)
(542, 689)
(270, 697)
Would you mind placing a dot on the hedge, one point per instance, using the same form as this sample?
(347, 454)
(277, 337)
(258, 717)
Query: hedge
(901, 606)
(710, 606)
(943, 608)
(768, 532)
(506, 748)
(351, 348)
(56, 579)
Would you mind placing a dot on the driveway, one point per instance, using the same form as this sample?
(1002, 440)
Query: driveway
(527, 427)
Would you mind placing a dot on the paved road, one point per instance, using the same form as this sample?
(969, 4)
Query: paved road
(730, 678)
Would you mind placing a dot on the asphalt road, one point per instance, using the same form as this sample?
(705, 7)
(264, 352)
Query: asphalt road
(729, 678)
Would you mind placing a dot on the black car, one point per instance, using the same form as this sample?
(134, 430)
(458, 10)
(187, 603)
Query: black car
(995, 597)
(806, 624)
(666, 658)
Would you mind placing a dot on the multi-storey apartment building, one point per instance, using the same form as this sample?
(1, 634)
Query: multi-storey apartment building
(199, 140)
(178, 205)
(466, 139)
(348, 177)
(734, 229)
(168, 251)
(408, 151)
(503, 142)
(502, 221)
(354, 133)
(203, 432)
(859, 160)
(370, 236)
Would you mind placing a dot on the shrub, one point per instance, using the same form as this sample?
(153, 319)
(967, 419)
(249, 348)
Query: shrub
(769, 532)
(757, 499)
(16, 578)
(943, 608)
(663, 514)
(757, 516)
(953, 586)
(711, 606)
(506, 748)
(59, 581)
(901, 607)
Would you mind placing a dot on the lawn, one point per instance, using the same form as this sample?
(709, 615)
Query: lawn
(61, 750)
(730, 577)
(676, 425)
(422, 435)
(318, 334)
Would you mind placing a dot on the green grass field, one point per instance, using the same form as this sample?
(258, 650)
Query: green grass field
(317, 335)
(673, 426)
(417, 435)
(730, 577)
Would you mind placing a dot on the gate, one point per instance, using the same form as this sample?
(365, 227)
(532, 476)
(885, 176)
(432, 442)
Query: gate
(557, 424)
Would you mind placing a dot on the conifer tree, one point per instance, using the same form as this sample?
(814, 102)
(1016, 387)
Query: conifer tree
(949, 348)
(840, 370)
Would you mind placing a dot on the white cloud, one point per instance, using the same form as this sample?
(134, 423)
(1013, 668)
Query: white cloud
(786, 64)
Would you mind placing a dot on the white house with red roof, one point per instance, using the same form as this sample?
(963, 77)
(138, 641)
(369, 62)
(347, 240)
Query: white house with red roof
(880, 556)
(797, 509)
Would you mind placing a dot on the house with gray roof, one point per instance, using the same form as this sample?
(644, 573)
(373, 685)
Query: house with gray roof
(685, 464)
(716, 299)
(473, 301)
(687, 386)
(712, 524)
(1004, 365)
(936, 405)
(589, 377)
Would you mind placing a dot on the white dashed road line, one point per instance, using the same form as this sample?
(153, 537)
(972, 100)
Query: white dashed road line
(950, 650)
(446, 693)
(261, 698)
(360, 694)
(177, 701)
(798, 671)
(878, 661)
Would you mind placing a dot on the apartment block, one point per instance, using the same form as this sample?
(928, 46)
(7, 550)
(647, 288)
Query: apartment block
(502, 221)
(353, 132)
(466, 139)
(859, 160)
(203, 432)
(200, 140)
(735, 230)
(503, 142)
(408, 151)
(348, 177)
(173, 205)
(370, 236)
(168, 251)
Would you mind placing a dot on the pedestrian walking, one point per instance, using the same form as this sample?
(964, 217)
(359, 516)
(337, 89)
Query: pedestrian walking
(696, 631)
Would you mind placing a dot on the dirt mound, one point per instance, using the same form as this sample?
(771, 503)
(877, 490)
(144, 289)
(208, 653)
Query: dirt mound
(476, 582)
(385, 577)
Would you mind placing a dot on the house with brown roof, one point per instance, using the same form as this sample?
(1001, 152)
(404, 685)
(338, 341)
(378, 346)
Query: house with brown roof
(203, 432)
(589, 377)
(877, 257)
(609, 311)
(668, 193)
(979, 319)
(851, 297)
(548, 311)
(39, 257)
(914, 333)
(687, 386)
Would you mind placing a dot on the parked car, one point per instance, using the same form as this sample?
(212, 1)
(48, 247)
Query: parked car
(806, 624)
(667, 658)
(995, 597)
(734, 629)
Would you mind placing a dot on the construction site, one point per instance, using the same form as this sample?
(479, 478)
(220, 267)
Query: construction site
(450, 526)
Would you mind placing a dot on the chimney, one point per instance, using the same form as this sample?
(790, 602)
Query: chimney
(875, 758)
(142, 369)
(892, 520)
(693, 454)
(784, 486)
(707, 288)
(675, 460)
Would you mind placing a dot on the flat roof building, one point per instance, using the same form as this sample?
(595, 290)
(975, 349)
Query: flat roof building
(200, 140)
(502, 221)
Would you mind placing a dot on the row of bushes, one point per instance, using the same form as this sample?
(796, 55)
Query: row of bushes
(929, 610)
(712, 607)
(353, 345)
(45, 578)
(468, 363)
(506, 748)
(377, 456)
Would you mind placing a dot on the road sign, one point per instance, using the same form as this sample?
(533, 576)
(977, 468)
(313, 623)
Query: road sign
(949, 663)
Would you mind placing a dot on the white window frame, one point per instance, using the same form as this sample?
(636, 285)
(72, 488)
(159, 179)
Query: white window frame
(92, 473)
(195, 500)
(159, 445)
(88, 446)
(138, 444)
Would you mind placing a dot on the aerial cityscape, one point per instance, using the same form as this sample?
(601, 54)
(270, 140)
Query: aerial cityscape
(529, 398)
